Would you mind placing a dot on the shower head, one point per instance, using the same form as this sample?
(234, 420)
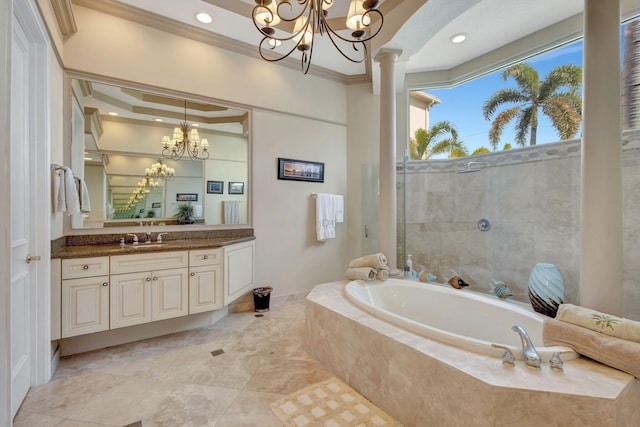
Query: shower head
(473, 167)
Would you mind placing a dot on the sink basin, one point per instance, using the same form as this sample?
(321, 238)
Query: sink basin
(146, 245)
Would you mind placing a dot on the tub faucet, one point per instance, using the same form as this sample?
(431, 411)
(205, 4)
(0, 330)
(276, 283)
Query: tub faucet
(531, 356)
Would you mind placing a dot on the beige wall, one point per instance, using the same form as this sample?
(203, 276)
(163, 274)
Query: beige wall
(57, 144)
(293, 115)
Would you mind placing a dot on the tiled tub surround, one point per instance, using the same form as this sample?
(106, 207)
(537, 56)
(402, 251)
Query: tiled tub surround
(422, 382)
(531, 196)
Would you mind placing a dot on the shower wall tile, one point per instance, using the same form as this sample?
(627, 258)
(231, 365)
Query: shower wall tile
(532, 197)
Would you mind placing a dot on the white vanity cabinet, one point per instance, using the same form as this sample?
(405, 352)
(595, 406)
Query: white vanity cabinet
(238, 270)
(85, 296)
(111, 292)
(205, 280)
(148, 287)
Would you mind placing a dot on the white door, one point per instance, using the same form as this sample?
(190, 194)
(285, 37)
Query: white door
(20, 221)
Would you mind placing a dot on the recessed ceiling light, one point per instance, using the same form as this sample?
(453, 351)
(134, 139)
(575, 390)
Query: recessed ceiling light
(195, 124)
(158, 120)
(204, 17)
(113, 113)
(458, 38)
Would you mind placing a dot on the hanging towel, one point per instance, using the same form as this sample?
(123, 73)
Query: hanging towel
(59, 202)
(231, 211)
(70, 192)
(329, 210)
(85, 203)
(338, 201)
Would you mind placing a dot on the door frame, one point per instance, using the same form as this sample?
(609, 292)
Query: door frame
(27, 16)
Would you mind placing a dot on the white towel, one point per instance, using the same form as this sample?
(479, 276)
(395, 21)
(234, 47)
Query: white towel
(59, 202)
(70, 192)
(231, 211)
(325, 216)
(85, 202)
(338, 201)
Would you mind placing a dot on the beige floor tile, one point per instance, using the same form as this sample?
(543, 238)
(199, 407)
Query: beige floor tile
(174, 380)
(251, 409)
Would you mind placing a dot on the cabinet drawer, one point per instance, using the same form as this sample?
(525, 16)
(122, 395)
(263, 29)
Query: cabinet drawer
(85, 267)
(205, 257)
(149, 261)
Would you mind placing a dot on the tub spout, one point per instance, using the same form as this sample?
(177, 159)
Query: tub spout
(531, 356)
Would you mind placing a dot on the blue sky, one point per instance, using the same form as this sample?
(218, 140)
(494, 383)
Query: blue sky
(462, 105)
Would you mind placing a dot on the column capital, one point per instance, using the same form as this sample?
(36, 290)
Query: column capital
(388, 54)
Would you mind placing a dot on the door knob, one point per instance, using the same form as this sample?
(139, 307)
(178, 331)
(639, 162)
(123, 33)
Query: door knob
(32, 258)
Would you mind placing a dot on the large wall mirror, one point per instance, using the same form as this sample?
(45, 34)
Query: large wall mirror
(123, 156)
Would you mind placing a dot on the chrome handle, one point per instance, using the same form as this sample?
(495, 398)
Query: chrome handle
(33, 258)
(155, 278)
(85, 267)
(148, 279)
(366, 231)
(105, 284)
(193, 274)
(205, 257)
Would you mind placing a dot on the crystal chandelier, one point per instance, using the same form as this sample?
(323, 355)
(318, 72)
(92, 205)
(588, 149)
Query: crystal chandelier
(159, 170)
(309, 18)
(185, 139)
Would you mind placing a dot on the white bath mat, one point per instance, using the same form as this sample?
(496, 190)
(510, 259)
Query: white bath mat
(330, 403)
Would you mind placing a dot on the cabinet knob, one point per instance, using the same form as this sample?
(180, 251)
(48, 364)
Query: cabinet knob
(193, 274)
(105, 284)
(205, 257)
(155, 278)
(148, 279)
(85, 267)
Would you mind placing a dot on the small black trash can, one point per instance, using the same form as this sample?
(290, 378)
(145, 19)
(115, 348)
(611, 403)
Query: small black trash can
(261, 297)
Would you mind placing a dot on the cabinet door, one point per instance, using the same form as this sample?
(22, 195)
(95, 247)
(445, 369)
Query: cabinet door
(238, 270)
(170, 292)
(130, 299)
(205, 289)
(85, 305)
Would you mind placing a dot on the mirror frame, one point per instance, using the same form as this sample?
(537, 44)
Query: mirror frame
(67, 139)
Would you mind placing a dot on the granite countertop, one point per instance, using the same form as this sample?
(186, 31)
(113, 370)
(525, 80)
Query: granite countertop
(84, 251)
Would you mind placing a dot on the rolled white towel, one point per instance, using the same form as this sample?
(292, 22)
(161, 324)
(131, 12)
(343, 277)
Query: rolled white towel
(382, 274)
(362, 273)
(378, 260)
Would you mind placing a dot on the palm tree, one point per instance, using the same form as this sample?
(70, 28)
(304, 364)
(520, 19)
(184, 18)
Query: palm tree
(426, 145)
(563, 107)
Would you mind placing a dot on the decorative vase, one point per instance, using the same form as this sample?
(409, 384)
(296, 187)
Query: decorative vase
(546, 289)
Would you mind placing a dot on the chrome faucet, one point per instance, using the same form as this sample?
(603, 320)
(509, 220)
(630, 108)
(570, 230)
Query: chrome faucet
(159, 237)
(147, 237)
(135, 238)
(531, 356)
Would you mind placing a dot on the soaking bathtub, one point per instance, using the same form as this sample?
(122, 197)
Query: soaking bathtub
(463, 318)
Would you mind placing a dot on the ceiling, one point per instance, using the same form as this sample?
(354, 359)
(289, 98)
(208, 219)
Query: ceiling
(421, 28)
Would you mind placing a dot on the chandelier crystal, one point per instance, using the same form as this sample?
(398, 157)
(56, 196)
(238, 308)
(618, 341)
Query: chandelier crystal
(159, 170)
(185, 139)
(310, 18)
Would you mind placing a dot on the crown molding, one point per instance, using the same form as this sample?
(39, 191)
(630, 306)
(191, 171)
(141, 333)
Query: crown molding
(159, 22)
(64, 15)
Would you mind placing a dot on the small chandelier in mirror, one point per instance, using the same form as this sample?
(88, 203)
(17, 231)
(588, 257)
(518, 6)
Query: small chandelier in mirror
(159, 170)
(185, 139)
(310, 18)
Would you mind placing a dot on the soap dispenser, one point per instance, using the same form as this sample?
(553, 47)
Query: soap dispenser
(408, 267)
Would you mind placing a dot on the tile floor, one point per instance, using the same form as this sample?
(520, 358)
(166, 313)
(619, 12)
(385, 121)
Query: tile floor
(174, 380)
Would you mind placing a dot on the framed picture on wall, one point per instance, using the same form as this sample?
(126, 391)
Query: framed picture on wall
(236, 188)
(300, 170)
(186, 197)
(215, 187)
(156, 205)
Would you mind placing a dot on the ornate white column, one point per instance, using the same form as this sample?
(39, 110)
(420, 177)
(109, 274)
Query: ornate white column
(601, 198)
(387, 200)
